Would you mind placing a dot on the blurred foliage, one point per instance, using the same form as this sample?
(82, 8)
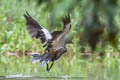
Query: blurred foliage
(95, 24)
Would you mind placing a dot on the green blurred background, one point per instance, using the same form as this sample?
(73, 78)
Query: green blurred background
(16, 42)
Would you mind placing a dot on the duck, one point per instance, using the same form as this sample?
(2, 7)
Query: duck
(55, 42)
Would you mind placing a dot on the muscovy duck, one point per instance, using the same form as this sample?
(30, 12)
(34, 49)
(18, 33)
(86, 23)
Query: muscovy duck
(55, 42)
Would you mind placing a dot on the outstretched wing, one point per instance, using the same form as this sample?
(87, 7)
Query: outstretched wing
(55, 34)
(36, 30)
(60, 40)
(66, 21)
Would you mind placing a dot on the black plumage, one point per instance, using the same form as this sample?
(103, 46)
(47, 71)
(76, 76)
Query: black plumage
(36, 30)
(56, 43)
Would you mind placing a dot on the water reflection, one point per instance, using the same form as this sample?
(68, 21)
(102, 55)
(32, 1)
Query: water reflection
(21, 77)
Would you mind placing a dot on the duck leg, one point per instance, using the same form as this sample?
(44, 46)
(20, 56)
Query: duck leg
(48, 68)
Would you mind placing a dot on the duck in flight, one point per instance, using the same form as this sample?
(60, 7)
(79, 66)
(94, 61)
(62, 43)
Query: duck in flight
(55, 42)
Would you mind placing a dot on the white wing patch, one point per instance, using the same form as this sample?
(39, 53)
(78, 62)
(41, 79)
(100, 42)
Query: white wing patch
(47, 34)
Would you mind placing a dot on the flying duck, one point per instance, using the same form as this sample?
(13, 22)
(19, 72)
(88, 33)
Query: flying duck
(55, 41)
(36, 30)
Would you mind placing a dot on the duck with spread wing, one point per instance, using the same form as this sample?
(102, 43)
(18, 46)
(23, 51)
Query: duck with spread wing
(55, 42)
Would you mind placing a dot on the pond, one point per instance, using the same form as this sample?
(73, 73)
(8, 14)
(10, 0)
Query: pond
(22, 77)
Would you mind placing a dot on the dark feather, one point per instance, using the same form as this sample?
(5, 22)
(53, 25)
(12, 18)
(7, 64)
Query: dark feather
(55, 34)
(66, 20)
(57, 45)
(35, 29)
(58, 42)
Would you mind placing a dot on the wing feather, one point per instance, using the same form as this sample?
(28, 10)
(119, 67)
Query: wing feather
(60, 39)
(36, 30)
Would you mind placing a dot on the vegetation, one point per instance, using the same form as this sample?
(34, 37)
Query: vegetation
(15, 40)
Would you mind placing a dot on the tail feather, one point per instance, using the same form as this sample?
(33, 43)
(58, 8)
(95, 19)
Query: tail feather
(37, 58)
(43, 59)
(46, 59)
(44, 62)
